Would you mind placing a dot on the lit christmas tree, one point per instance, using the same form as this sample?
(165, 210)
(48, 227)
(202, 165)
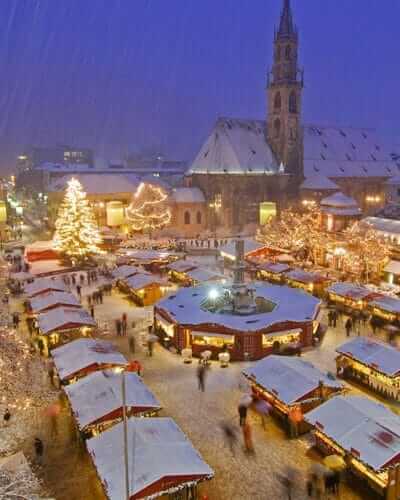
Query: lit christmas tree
(148, 210)
(77, 236)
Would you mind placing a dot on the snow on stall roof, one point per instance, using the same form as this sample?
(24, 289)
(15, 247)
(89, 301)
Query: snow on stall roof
(183, 265)
(53, 298)
(289, 378)
(140, 281)
(304, 276)
(250, 245)
(384, 225)
(98, 183)
(342, 211)
(21, 276)
(82, 353)
(99, 394)
(359, 424)
(346, 152)
(383, 357)
(149, 255)
(185, 307)
(188, 195)
(157, 449)
(319, 182)
(39, 246)
(339, 200)
(60, 318)
(43, 268)
(236, 147)
(386, 303)
(126, 271)
(203, 275)
(274, 267)
(351, 290)
(41, 285)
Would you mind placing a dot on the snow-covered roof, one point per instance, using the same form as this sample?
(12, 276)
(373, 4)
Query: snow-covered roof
(52, 299)
(290, 379)
(386, 303)
(63, 319)
(393, 181)
(319, 182)
(140, 281)
(99, 394)
(21, 276)
(182, 265)
(235, 147)
(202, 275)
(339, 200)
(43, 268)
(351, 290)
(382, 357)
(41, 285)
(366, 429)
(185, 307)
(272, 267)
(98, 183)
(305, 276)
(188, 195)
(126, 271)
(346, 152)
(157, 450)
(388, 226)
(345, 212)
(250, 246)
(149, 255)
(80, 354)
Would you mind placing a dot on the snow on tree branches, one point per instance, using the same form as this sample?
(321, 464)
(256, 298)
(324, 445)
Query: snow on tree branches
(77, 235)
(149, 210)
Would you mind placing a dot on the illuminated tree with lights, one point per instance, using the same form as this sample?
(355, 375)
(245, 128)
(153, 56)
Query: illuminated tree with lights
(77, 236)
(149, 210)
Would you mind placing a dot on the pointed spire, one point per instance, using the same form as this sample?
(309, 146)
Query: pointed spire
(286, 26)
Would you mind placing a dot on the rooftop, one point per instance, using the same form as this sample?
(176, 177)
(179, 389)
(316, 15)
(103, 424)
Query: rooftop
(99, 183)
(51, 299)
(319, 182)
(351, 290)
(62, 319)
(41, 285)
(188, 195)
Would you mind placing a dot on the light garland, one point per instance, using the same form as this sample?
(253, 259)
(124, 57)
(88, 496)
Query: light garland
(77, 235)
(148, 210)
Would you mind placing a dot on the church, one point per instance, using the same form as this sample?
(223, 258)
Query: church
(250, 169)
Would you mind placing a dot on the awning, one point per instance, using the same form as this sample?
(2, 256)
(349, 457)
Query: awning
(294, 331)
(393, 267)
(165, 325)
(212, 334)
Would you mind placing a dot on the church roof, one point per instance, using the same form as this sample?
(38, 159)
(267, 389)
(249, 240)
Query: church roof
(346, 152)
(339, 200)
(286, 26)
(236, 147)
(319, 182)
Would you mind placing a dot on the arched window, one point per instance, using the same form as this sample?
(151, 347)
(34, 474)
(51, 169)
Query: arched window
(198, 217)
(277, 101)
(288, 52)
(187, 217)
(293, 103)
(277, 128)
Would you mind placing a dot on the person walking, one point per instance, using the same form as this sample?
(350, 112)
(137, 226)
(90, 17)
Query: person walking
(92, 311)
(242, 410)
(7, 417)
(118, 327)
(348, 326)
(230, 436)
(124, 324)
(248, 439)
(39, 448)
(330, 318)
(79, 290)
(131, 342)
(201, 377)
(334, 318)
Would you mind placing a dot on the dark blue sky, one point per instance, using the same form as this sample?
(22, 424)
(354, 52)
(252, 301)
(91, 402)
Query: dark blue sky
(126, 75)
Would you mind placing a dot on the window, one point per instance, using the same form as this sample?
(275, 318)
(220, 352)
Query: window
(277, 128)
(293, 103)
(198, 217)
(288, 53)
(278, 54)
(187, 217)
(277, 101)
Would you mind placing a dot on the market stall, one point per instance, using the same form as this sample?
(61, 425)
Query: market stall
(288, 382)
(51, 300)
(162, 461)
(61, 325)
(126, 271)
(44, 285)
(177, 271)
(151, 260)
(365, 433)
(309, 282)
(96, 400)
(83, 356)
(200, 276)
(349, 295)
(372, 363)
(145, 289)
(273, 272)
(385, 307)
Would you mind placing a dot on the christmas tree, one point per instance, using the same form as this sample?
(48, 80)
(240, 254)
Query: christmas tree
(148, 210)
(77, 236)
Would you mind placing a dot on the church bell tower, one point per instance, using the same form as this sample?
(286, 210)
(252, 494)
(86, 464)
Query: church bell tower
(284, 93)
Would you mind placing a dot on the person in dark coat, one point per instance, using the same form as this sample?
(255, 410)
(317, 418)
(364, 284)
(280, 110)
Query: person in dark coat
(242, 410)
(348, 325)
(39, 448)
(6, 417)
(118, 325)
(201, 377)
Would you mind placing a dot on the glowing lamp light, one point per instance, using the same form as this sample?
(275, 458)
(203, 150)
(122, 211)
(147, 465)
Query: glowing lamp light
(213, 294)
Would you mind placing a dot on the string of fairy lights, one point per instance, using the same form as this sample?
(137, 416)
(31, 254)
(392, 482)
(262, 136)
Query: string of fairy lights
(148, 210)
